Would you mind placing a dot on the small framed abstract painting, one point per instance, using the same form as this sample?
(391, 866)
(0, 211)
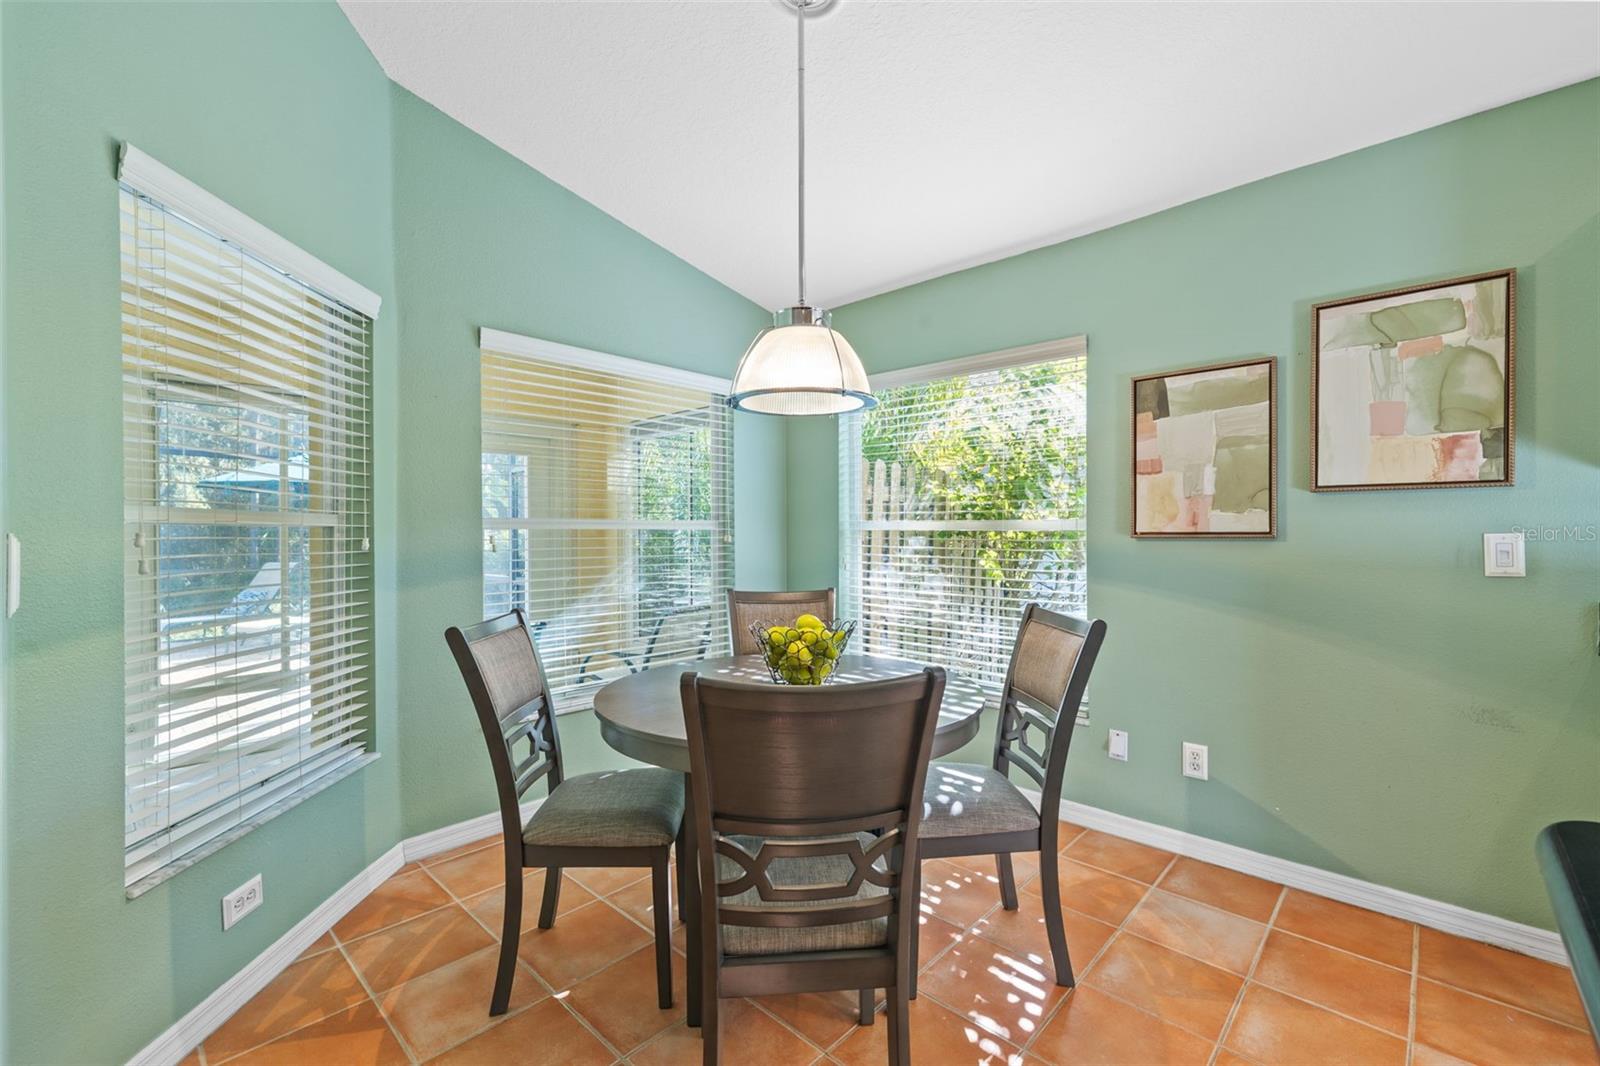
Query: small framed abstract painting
(1205, 451)
(1414, 388)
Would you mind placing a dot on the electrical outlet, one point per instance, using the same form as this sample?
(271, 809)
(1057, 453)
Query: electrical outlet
(241, 901)
(1196, 761)
(1117, 745)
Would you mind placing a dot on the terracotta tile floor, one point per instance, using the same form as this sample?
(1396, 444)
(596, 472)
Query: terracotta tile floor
(1177, 961)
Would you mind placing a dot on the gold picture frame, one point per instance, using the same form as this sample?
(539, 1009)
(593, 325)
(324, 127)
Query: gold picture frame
(1221, 433)
(1403, 386)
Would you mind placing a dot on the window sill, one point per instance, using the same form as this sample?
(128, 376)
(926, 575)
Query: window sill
(211, 847)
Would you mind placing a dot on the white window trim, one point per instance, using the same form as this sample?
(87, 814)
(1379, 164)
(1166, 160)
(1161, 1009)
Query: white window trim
(143, 176)
(1066, 347)
(149, 177)
(498, 340)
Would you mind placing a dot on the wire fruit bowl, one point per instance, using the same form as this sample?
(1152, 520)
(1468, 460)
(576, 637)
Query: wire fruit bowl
(802, 655)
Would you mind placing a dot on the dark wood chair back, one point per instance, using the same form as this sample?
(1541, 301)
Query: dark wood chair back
(746, 608)
(809, 771)
(1049, 670)
(501, 667)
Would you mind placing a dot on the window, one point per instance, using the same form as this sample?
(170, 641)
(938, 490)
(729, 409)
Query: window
(248, 582)
(607, 513)
(962, 498)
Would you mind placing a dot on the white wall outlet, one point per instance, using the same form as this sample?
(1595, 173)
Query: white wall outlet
(1117, 745)
(241, 901)
(1504, 555)
(1196, 761)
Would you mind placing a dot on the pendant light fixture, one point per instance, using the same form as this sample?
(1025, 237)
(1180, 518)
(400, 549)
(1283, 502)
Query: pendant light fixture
(803, 366)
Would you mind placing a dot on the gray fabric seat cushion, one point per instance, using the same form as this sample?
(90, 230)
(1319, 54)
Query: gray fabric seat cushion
(961, 799)
(793, 873)
(611, 809)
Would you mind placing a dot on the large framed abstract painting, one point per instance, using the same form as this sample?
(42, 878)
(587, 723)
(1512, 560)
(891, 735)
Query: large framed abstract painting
(1415, 388)
(1205, 451)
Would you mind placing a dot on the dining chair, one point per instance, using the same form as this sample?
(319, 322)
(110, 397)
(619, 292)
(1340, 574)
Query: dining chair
(976, 810)
(612, 818)
(746, 608)
(806, 807)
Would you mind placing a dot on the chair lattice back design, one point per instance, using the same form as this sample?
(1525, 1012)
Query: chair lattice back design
(1050, 667)
(746, 608)
(506, 681)
(874, 865)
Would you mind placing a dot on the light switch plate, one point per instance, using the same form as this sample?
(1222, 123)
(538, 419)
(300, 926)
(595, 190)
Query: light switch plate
(1504, 555)
(13, 574)
(1117, 745)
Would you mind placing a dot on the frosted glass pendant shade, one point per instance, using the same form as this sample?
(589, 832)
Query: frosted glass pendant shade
(806, 368)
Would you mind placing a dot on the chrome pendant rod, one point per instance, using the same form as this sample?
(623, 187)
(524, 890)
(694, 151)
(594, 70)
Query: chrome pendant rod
(800, 69)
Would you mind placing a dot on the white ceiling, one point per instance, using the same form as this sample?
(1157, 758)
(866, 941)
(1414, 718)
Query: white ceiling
(947, 133)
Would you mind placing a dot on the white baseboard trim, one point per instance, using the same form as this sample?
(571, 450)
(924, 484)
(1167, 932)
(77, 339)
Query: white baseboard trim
(1445, 917)
(425, 845)
(187, 1032)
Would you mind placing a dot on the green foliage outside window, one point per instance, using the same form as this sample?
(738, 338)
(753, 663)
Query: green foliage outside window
(998, 446)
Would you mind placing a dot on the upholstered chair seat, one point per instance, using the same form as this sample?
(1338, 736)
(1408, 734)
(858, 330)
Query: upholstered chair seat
(962, 799)
(611, 809)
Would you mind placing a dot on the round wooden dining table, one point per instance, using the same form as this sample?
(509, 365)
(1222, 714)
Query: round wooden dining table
(641, 716)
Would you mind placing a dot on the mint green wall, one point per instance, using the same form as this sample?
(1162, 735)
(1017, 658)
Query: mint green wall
(282, 112)
(1374, 705)
(5, 680)
(482, 240)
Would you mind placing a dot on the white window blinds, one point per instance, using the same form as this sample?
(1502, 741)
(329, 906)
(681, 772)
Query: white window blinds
(607, 510)
(246, 438)
(962, 499)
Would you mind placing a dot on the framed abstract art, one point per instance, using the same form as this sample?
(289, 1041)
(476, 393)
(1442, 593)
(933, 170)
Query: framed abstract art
(1415, 388)
(1205, 451)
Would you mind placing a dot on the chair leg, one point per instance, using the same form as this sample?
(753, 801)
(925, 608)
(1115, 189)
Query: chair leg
(552, 897)
(916, 938)
(710, 1031)
(689, 880)
(510, 934)
(1054, 927)
(899, 1018)
(867, 1011)
(682, 849)
(663, 909)
(1008, 881)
